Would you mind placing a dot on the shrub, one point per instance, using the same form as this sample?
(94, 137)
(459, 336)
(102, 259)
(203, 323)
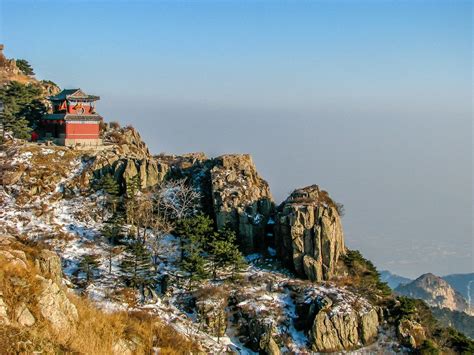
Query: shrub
(366, 276)
(114, 125)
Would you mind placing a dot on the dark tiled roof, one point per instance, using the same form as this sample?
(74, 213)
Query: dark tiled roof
(73, 94)
(70, 117)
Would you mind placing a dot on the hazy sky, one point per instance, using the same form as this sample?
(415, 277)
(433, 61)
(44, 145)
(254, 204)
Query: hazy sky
(369, 99)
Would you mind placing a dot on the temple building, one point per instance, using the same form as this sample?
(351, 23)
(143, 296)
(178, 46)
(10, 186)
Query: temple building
(73, 121)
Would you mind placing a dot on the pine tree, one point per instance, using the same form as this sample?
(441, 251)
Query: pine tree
(88, 266)
(112, 190)
(131, 191)
(136, 266)
(23, 107)
(195, 235)
(193, 260)
(24, 67)
(224, 252)
(112, 232)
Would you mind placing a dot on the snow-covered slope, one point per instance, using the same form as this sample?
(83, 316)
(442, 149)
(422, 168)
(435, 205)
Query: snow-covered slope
(47, 198)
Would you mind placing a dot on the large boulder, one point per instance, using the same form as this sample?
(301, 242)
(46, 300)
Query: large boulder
(308, 233)
(49, 265)
(241, 199)
(55, 307)
(212, 315)
(339, 331)
(128, 158)
(411, 333)
(335, 319)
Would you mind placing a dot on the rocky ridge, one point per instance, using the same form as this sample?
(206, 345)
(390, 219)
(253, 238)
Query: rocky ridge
(233, 193)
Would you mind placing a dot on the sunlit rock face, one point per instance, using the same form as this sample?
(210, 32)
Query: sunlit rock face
(241, 199)
(309, 235)
(436, 292)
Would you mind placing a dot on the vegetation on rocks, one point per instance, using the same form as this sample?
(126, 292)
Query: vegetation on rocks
(364, 276)
(158, 243)
(23, 107)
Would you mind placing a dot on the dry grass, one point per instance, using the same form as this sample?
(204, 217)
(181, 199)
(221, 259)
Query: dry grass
(96, 332)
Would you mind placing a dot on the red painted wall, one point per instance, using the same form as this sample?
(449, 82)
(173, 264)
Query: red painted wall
(82, 130)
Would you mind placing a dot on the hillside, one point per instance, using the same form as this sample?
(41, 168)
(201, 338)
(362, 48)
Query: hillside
(436, 292)
(462, 283)
(112, 250)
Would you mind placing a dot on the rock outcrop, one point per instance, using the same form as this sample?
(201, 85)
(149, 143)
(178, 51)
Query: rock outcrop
(128, 158)
(436, 292)
(55, 307)
(35, 280)
(241, 199)
(49, 264)
(232, 192)
(411, 333)
(335, 322)
(212, 314)
(308, 233)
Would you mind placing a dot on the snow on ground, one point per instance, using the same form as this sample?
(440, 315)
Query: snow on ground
(72, 225)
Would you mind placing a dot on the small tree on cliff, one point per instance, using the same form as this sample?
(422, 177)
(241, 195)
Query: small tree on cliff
(23, 107)
(224, 252)
(112, 190)
(131, 193)
(88, 266)
(195, 234)
(25, 67)
(112, 233)
(136, 268)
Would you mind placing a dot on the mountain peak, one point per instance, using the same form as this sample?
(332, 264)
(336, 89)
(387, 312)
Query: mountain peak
(436, 292)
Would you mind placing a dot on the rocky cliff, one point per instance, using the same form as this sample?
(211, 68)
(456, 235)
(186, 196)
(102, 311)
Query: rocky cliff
(436, 292)
(232, 190)
(126, 158)
(241, 199)
(31, 289)
(46, 196)
(308, 233)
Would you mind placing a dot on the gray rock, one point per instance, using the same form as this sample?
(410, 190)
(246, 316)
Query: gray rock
(55, 307)
(411, 333)
(308, 233)
(49, 265)
(212, 314)
(241, 199)
(369, 323)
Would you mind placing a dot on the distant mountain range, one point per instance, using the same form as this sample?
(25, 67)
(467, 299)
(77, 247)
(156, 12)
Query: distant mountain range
(436, 292)
(393, 280)
(448, 304)
(462, 283)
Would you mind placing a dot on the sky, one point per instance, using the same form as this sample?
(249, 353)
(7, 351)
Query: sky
(371, 100)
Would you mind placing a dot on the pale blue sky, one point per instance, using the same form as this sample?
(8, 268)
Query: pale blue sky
(369, 99)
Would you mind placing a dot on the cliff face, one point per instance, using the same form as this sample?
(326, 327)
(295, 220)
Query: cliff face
(128, 158)
(436, 292)
(233, 193)
(241, 199)
(32, 291)
(309, 235)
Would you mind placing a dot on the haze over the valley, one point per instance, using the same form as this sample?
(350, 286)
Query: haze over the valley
(372, 101)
